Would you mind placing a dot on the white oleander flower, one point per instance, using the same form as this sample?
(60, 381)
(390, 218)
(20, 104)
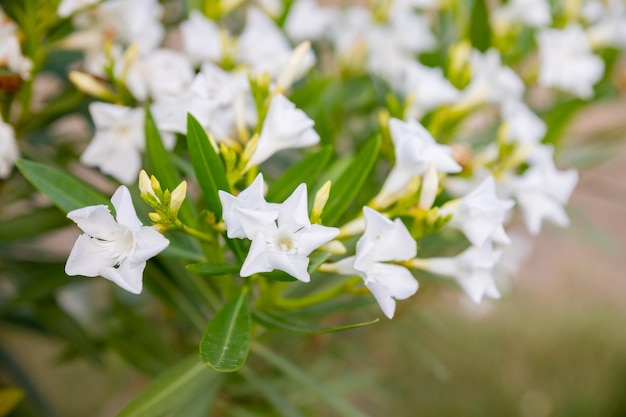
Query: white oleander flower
(415, 149)
(535, 13)
(8, 149)
(566, 61)
(116, 249)
(118, 141)
(608, 23)
(491, 81)
(522, 125)
(201, 38)
(307, 20)
(480, 215)
(383, 241)
(285, 127)
(543, 191)
(284, 241)
(68, 7)
(162, 72)
(252, 198)
(472, 270)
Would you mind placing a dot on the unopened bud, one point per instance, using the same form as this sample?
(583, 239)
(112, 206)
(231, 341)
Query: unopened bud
(321, 197)
(334, 247)
(299, 61)
(430, 186)
(155, 217)
(88, 84)
(178, 196)
(145, 186)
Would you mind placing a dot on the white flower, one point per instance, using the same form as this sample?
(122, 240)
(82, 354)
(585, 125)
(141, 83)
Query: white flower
(609, 23)
(262, 46)
(522, 125)
(415, 149)
(284, 127)
(534, 13)
(472, 269)
(201, 38)
(543, 191)
(133, 21)
(118, 141)
(409, 31)
(383, 241)
(480, 214)
(350, 30)
(11, 55)
(252, 198)
(116, 249)
(67, 7)
(308, 21)
(286, 242)
(491, 81)
(162, 72)
(566, 61)
(8, 149)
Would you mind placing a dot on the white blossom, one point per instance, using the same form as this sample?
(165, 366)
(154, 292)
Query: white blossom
(118, 141)
(201, 38)
(307, 20)
(522, 125)
(535, 13)
(543, 191)
(608, 23)
(11, 55)
(480, 215)
(285, 127)
(68, 7)
(162, 72)
(383, 241)
(8, 149)
(415, 149)
(283, 242)
(116, 249)
(566, 61)
(472, 270)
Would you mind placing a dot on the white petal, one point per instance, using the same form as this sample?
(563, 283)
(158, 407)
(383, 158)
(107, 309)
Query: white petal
(313, 238)
(95, 221)
(124, 210)
(294, 213)
(87, 258)
(148, 243)
(294, 265)
(383, 297)
(396, 278)
(128, 276)
(253, 222)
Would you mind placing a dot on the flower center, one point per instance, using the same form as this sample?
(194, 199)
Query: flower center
(120, 247)
(285, 244)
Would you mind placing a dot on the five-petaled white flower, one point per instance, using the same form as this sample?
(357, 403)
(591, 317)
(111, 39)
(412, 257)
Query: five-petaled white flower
(472, 270)
(383, 241)
(116, 249)
(285, 127)
(282, 238)
(566, 61)
(415, 149)
(480, 214)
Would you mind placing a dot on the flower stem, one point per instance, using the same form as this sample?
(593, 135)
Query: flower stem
(295, 303)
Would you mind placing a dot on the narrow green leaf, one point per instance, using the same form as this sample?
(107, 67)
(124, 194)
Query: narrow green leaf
(479, 29)
(204, 268)
(170, 389)
(207, 165)
(348, 185)
(282, 406)
(305, 171)
(161, 166)
(226, 341)
(34, 223)
(9, 400)
(282, 323)
(306, 381)
(558, 119)
(67, 192)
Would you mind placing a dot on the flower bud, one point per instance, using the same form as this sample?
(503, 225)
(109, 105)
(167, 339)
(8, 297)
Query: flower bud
(88, 84)
(298, 62)
(430, 185)
(178, 196)
(321, 197)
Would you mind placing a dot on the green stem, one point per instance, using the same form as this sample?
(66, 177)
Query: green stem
(205, 237)
(295, 303)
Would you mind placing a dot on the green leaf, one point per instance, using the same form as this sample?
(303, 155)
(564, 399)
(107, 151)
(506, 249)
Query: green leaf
(348, 185)
(207, 165)
(65, 191)
(479, 29)
(171, 389)
(9, 400)
(161, 166)
(280, 322)
(271, 394)
(204, 268)
(308, 383)
(34, 223)
(558, 119)
(226, 341)
(305, 171)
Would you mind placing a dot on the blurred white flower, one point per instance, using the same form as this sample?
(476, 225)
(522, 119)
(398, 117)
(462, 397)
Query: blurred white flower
(116, 249)
(11, 56)
(118, 141)
(307, 20)
(162, 72)
(566, 61)
(542, 191)
(535, 13)
(8, 149)
(201, 38)
(67, 7)
(283, 242)
(383, 241)
(285, 127)
(472, 270)
(491, 81)
(480, 215)
(415, 149)
(252, 198)
(522, 125)
(608, 23)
